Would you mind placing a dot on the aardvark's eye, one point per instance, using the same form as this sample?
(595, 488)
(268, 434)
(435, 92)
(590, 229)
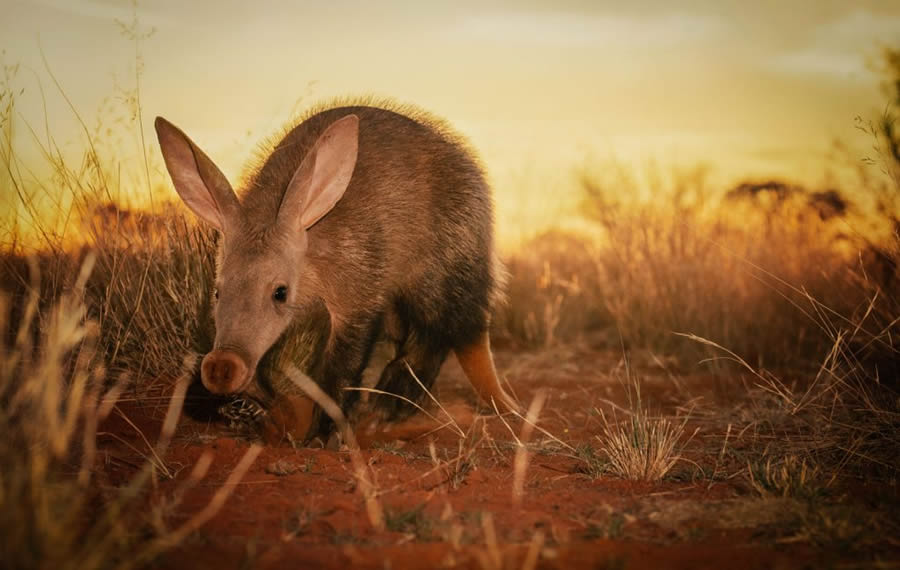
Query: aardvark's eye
(280, 294)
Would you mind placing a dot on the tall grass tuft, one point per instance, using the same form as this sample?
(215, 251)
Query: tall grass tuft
(52, 395)
(151, 287)
(152, 290)
(92, 294)
(643, 447)
(789, 476)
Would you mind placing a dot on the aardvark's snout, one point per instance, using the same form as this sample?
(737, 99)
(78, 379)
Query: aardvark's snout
(224, 372)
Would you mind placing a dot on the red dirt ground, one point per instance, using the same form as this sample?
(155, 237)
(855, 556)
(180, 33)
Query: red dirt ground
(444, 496)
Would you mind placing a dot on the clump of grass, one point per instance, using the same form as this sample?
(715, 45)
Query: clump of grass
(644, 447)
(670, 253)
(49, 394)
(53, 394)
(789, 476)
(151, 287)
(152, 291)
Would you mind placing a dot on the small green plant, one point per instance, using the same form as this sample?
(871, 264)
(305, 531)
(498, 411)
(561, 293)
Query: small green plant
(394, 448)
(616, 524)
(299, 523)
(410, 521)
(842, 527)
(613, 529)
(594, 464)
(456, 467)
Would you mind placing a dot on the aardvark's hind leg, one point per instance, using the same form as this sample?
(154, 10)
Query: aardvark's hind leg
(478, 364)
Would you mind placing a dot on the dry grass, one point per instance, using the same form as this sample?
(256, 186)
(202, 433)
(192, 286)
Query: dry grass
(553, 294)
(840, 419)
(98, 299)
(54, 394)
(153, 276)
(739, 268)
(52, 403)
(642, 447)
(365, 477)
(151, 294)
(683, 261)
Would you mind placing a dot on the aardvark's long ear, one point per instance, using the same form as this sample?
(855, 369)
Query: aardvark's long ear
(321, 179)
(197, 179)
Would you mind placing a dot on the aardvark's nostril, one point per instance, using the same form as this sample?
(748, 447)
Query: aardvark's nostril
(220, 372)
(224, 372)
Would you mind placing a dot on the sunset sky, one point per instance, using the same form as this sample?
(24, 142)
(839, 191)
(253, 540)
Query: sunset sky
(541, 88)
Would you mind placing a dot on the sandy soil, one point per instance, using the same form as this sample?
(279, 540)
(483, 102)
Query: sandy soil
(449, 499)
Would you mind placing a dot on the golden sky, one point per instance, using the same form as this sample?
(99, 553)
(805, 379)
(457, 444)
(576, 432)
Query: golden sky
(541, 88)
